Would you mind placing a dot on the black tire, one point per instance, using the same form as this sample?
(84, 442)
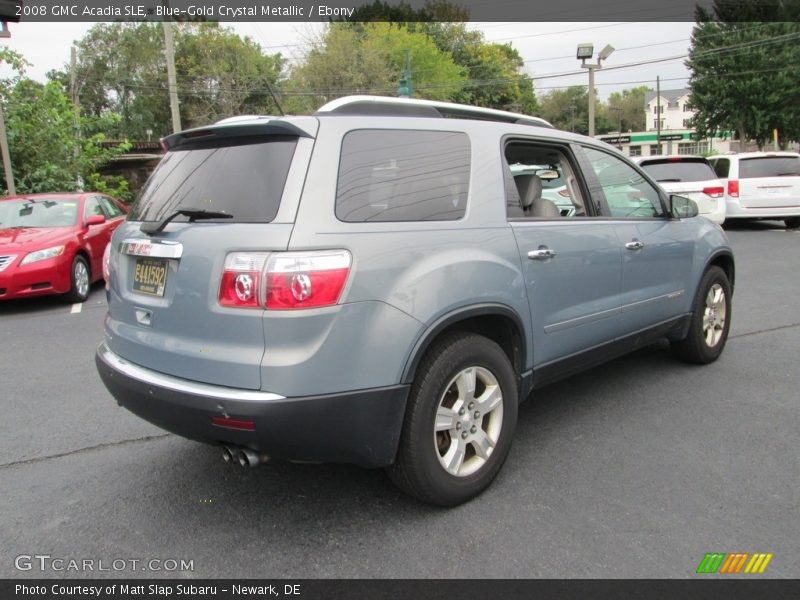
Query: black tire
(792, 222)
(418, 470)
(704, 344)
(78, 291)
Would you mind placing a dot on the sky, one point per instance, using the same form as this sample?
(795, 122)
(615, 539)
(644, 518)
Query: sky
(548, 49)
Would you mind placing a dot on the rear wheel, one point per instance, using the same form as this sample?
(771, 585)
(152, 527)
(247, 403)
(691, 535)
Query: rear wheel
(80, 281)
(711, 319)
(792, 222)
(459, 423)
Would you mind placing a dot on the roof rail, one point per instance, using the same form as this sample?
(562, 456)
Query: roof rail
(407, 107)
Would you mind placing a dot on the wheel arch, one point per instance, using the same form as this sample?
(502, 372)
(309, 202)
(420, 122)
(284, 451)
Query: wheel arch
(724, 260)
(497, 322)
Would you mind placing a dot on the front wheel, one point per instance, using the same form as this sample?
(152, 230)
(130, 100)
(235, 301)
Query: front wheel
(711, 320)
(459, 423)
(80, 281)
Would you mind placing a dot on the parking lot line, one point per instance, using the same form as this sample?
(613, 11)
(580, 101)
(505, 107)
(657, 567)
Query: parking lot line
(76, 308)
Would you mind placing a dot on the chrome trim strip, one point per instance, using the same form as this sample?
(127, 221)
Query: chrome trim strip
(648, 301)
(177, 384)
(581, 320)
(610, 312)
(155, 249)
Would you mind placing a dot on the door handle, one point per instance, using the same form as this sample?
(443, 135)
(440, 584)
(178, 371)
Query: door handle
(634, 245)
(543, 253)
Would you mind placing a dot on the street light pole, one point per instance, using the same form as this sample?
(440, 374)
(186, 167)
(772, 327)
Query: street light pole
(585, 51)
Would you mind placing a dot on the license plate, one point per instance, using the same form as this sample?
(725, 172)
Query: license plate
(150, 276)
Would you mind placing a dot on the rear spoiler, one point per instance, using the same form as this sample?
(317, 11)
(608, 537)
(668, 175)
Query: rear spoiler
(258, 126)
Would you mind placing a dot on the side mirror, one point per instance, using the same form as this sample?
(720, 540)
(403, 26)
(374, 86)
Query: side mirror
(95, 220)
(681, 207)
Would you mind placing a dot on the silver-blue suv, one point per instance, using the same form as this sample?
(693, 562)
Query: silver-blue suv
(382, 283)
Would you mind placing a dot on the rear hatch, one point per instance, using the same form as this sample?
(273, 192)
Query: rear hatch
(771, 181)
(167, 259)
(688, 176)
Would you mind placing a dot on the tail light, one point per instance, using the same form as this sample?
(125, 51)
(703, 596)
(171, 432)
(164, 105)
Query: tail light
(733, 188)
(284, 280)
(306, 279)
(241, 279)
(107, 266)
(714, 192)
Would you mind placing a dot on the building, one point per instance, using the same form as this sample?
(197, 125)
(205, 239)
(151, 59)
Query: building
(673, 115)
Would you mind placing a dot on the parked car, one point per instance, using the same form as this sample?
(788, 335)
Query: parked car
(54, 243)
(690, 176)
(372, 285)
(761, 185)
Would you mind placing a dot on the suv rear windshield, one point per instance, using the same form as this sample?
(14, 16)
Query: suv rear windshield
(398, 175)
(242, 177)
(769, 166)
(679, 170)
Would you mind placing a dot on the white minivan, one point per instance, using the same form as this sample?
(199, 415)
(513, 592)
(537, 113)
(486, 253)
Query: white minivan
(761, 185)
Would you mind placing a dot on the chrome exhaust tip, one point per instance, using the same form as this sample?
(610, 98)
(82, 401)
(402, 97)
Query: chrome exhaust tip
(228, 454)
(250, 458)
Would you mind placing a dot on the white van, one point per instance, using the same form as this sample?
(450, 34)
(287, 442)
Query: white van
(761, 185)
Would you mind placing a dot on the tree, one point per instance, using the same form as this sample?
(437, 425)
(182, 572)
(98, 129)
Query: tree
(47, 152)
(495, 72)
(631, 104)
(567, 108)
(121, 68)
(743, 59)
(368, 58)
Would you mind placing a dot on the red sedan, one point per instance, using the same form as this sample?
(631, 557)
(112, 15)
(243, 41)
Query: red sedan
(54, 243)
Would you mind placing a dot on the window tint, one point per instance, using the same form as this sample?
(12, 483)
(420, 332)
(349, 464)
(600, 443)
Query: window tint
(684, 170)
(112, 210)
(242, 177)
(387, 175)
(721, 167)
(627, 193)
(769, 166)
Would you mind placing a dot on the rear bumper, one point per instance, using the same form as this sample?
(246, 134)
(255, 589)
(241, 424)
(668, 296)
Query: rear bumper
(737, 211)
(360, 427)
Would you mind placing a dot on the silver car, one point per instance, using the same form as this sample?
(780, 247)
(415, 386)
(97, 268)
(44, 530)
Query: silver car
(372, 285)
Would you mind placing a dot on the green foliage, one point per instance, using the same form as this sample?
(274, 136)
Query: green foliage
(744, 70)
(631, 103)
(121, 68)
(47, 153)
(369, 59)
(567, 109)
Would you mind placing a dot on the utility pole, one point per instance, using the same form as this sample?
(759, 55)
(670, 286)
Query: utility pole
(169, 51)
(618, 109)
(572, 108)
(75, 97)
(658, 112)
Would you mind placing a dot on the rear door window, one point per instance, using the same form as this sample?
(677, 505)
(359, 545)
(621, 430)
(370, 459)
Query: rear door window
(243, 177)
(677, 171)
(769, 166)
(401, 175)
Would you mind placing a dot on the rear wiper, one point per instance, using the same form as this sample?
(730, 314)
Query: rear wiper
(788, 174)
(193, 213)
(667, 180)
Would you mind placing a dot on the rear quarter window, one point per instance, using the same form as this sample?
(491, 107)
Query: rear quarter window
(769, 166)
(402, 175)
(243, 177)
(722, 167)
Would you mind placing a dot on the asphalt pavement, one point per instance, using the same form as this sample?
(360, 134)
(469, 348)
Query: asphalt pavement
(634, 469)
